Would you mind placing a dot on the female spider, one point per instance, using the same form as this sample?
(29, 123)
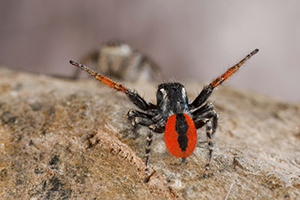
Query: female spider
(173, 114)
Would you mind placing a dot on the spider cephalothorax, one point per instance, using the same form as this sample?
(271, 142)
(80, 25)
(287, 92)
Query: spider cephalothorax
(173, 114)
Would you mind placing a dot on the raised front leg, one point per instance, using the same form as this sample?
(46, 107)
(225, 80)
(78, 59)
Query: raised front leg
(131, 94)
(202, 97)
(207, 90)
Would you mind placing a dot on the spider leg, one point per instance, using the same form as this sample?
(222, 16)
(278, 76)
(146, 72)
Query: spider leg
(207, 115)
(207, 90)
(91, 57)
(215, 122)
(139, 118)
(155, 123)
(200, 122)
(205, 112)
(209, 133)
(232, 70)
(202, 111)
(148, 150)
(158, 126)
(131, 94)
(202, 97)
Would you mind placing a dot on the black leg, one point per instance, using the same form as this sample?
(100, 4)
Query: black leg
(215, 122)
(206, 115)
(159, 126)
(200, 112)
(210, 146)
(203, 113)
(137, 100)
(139, 118)
(148, 150)
(201, 121)
(202, 97)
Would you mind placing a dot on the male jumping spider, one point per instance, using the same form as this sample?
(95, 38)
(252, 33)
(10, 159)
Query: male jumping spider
(174, 114)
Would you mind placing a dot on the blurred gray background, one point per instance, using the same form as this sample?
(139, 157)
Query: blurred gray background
(192, 39)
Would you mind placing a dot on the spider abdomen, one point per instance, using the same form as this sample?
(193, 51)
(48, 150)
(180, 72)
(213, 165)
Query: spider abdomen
(180, 135)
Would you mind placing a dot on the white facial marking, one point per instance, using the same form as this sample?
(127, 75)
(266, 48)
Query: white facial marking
(183, 93)
(163, 91)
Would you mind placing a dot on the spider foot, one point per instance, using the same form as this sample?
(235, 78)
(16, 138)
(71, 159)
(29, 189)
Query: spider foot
(146, 179)
(148, 176)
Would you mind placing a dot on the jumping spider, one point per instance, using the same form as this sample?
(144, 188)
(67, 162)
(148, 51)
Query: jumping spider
(119, 61)
(173, 115)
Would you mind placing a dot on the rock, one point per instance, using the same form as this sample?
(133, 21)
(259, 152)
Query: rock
(63, 139)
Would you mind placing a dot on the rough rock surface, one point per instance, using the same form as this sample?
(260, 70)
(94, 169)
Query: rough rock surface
(62, 139)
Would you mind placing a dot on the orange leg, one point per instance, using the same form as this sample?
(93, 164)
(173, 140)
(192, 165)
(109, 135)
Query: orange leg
(131, 94)
(102, 78)
(231, 70)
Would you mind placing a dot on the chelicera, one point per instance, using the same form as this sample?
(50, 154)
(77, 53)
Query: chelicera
(173, 114)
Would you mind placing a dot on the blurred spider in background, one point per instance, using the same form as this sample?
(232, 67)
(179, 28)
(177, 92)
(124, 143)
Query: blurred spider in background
(117, 60)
